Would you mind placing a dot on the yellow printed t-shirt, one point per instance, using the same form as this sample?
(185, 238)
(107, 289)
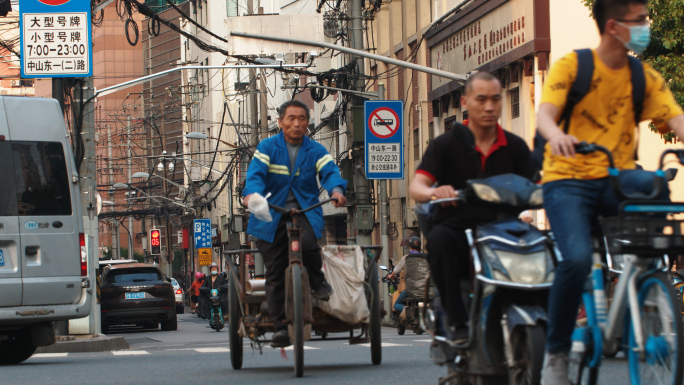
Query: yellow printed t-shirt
(604, 116)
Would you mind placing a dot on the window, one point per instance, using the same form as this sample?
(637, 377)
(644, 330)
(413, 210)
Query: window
(448, 122)
(465, 115)
(515, 103)
(36, 182)
(8, 195)
(416, 144)
(133, 276)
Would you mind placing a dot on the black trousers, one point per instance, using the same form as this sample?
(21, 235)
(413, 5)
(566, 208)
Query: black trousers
(449, 259)
(275, 256)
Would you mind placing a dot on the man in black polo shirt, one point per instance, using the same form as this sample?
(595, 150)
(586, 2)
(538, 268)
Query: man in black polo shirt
(451, 160)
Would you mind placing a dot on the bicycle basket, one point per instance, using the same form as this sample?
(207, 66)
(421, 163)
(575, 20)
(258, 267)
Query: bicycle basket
(643, 236)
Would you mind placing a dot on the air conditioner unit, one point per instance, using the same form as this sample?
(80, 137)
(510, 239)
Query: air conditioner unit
(16, 83)
(410, 218)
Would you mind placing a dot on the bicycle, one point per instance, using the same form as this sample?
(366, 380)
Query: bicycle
(644, 314)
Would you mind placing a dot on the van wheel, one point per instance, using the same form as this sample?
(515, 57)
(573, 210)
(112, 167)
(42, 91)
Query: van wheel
(17, 348)
(170, 325)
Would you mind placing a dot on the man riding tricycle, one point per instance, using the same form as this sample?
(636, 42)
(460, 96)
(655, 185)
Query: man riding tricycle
(298, 296)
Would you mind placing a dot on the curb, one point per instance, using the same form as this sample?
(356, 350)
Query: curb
(87, 344)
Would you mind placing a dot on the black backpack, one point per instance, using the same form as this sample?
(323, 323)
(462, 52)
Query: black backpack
(580, 87)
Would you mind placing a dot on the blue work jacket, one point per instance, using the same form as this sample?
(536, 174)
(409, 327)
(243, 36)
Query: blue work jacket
(269, 172)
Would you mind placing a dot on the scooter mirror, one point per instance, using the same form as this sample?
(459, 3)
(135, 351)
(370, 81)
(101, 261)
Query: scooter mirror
(383, 267)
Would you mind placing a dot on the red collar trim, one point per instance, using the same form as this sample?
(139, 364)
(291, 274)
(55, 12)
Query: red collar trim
(500, 141)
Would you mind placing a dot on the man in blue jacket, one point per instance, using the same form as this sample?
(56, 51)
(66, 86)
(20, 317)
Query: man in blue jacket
(289, 166)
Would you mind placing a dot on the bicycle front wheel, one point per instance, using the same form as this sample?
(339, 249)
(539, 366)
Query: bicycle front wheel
(661, 361)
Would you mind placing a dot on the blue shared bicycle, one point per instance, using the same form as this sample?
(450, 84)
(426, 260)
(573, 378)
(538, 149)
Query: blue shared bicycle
(644, 318)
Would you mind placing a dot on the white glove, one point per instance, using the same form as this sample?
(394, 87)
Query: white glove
(259, 207)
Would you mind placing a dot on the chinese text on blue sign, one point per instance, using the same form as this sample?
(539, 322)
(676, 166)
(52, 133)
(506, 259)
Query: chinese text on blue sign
(55, 38)
(384, 139)
(202, 233)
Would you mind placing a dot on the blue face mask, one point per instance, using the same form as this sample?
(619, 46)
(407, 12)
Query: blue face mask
(214, 272)
(640, 37)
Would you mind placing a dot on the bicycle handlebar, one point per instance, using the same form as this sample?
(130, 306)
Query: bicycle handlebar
(300, 211)
(613, 173)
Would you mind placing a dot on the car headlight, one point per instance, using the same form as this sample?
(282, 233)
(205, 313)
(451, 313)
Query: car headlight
(537, 198)
(486, 193)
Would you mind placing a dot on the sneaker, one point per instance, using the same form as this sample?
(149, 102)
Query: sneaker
(280, 339)
(459, 335)
(323, 293)
(555, 369)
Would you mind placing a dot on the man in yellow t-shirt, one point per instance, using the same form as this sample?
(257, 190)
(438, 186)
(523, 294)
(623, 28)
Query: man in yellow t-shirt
(576, 187)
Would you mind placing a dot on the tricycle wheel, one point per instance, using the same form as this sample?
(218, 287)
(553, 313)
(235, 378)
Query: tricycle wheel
(401, 329)
(234, 323)
(298, 299)
(374, 322)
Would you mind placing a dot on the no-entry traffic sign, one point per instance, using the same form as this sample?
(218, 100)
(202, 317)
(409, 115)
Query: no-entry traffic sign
(383, 122)
(384, 139)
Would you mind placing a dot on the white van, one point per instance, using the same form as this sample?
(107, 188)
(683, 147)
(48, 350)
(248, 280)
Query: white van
(43, 260)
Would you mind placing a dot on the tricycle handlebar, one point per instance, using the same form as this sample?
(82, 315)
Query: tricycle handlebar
(300, 211)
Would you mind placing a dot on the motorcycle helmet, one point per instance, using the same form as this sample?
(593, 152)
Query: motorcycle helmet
(198, 275)
(414, 243)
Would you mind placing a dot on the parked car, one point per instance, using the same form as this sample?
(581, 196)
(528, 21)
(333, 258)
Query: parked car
(43, 256)
(180, 296)
(136, 293)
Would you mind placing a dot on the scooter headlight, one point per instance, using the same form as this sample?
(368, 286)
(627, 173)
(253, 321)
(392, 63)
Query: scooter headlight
(214, 292)
(486, 193)
(528, 269)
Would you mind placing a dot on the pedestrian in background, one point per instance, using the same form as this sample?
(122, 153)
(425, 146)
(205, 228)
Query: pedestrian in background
(194, 291)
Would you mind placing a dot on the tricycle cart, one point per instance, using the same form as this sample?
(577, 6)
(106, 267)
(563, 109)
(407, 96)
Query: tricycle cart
(248, 311)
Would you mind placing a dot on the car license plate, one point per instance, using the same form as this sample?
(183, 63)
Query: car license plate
(2, 258)
(135, 295)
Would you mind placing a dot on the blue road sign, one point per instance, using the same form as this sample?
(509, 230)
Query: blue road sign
(56, 38)
(384, 139)
(202, 233)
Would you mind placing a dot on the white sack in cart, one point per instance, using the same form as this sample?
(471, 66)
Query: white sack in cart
(344, 270)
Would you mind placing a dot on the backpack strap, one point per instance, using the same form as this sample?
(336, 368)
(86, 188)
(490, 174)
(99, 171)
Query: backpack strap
(580, 87)
(638, 94)
(638, 87)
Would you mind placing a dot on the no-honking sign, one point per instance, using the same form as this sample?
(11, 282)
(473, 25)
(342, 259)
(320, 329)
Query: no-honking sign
(384, 139)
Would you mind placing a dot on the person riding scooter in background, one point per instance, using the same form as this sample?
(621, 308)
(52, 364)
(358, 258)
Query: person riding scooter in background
(214, 281)
(414, 248)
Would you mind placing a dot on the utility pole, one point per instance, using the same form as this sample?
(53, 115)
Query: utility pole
(263, 105)
(254, 133)
(84, 91)
(361, 184)
(128, 161)
(384, 216)
(114, 221)
(166, 268)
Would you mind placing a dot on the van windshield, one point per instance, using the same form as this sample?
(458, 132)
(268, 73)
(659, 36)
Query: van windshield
(33, 179)
(133, 275)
